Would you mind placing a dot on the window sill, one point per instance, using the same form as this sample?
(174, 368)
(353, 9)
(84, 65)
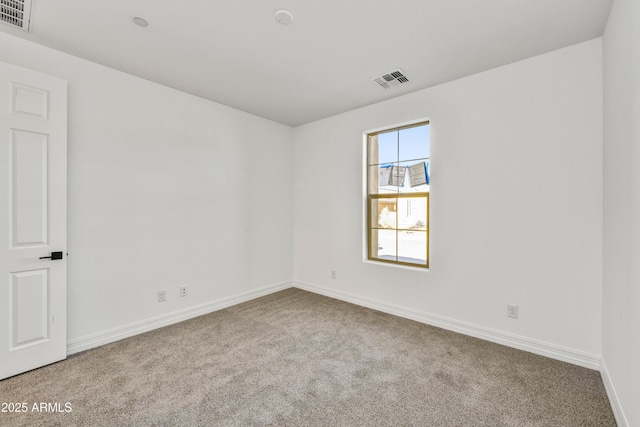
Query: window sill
(400, 266)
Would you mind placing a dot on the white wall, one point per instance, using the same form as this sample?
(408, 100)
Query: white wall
(621, 321)
(516, 202)
(165, 189)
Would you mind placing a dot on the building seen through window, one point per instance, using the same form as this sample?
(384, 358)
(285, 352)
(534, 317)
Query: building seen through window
(398, 180)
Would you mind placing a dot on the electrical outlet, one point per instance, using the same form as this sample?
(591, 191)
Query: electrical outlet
(512, 311)
(183, 291)
(333, 274)
(162, 296)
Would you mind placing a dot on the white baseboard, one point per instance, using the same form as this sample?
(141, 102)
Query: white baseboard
(621, 419)
(552, 351)
(87, 342)
(511, 340)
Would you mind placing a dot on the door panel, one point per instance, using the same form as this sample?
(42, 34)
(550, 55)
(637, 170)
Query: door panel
(33, 219)
(29, 307)
(29, 101)
(29, 188)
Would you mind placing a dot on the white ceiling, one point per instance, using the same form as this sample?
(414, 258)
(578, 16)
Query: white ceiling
(234, 52)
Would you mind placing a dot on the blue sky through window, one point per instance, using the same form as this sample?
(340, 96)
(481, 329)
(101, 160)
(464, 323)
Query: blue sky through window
(405, 144)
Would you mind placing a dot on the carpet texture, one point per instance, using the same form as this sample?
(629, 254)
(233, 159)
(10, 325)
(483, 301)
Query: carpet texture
(295, 358)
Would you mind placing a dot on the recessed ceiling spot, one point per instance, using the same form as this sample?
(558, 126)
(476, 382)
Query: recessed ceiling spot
(284, 17)
(140, 22)
(391, 79)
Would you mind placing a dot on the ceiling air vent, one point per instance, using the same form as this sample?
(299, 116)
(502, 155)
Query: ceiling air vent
(16, 13)
(391, 79)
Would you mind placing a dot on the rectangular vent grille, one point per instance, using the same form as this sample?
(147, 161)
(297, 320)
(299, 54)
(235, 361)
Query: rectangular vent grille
(391, 79)
(16, 13)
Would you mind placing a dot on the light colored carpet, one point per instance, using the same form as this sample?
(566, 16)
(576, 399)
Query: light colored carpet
(295, 358)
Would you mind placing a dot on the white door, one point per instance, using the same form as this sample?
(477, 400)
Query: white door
(33, 219)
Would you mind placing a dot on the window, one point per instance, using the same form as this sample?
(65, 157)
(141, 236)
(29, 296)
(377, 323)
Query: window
(398, 195)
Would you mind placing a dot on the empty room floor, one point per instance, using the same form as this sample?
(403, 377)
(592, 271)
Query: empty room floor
(294, 358)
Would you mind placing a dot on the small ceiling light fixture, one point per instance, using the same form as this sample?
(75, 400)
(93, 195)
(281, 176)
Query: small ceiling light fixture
(284, 17)
(140, 22)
